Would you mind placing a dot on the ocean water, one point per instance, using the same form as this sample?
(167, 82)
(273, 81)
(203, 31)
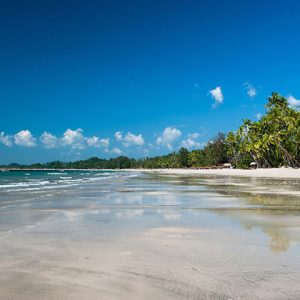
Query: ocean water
(134, 235)
(37, 180)
(28, 197)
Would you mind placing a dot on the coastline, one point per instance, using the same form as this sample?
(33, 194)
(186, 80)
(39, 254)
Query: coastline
(279, 173)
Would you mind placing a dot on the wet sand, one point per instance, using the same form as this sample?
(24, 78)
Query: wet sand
(280, 173)
(153, 237)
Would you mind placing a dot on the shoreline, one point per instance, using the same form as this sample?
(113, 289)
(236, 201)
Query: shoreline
(280, 173)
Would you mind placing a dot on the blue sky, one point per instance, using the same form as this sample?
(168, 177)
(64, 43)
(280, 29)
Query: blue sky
(104, 78)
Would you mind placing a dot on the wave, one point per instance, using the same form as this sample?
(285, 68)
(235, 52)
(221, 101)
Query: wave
(57, 173)
(46, 182)
(104, 173)
(24, 184)
(40, 188)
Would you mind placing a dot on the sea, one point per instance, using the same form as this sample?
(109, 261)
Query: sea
(41, 180)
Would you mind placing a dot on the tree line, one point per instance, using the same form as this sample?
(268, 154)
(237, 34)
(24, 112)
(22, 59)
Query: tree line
(214, 153)
(271, 141)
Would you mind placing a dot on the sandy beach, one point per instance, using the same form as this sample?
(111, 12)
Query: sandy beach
(280, 173)
(158, 235)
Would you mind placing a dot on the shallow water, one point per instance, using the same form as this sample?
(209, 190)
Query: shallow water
(130, 235)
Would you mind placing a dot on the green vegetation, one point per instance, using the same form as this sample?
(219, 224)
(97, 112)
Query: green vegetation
(272, 141)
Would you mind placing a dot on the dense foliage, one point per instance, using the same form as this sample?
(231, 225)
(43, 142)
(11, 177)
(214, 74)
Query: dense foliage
(272, 141)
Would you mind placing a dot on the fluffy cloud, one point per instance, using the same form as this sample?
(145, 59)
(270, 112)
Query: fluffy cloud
(251, 90)
(118, 136)
(293, 102)
(5, 139)
(169, 135)
(97, 142)
(73, 138)
(217, 95)
(49, 140)
(116, 151)
(76, 140)
(131, 139)
(258, 116)
(189, 144)
(194, 136)
(24, 138)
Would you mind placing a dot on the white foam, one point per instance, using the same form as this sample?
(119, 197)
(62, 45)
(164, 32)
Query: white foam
(57, 173)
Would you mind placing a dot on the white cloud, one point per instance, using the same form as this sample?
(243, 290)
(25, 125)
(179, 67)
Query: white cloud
(190, 143)
(76, 140)
(169, 135)
(258, 116)
(194, 136)
(25, 138)
(73, 138)
(118, 136)
(5, 139)
(131, 139)
(293, 102)
(97, 142)
(93, 141)
(145, 151)
(104, 142)
(49, 140)
(116, 151)
(251, 90)
(217, 95)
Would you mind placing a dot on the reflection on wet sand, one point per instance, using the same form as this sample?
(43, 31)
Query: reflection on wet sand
(278, 241)
(278, 227)
(153, 237)
(277, 215)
